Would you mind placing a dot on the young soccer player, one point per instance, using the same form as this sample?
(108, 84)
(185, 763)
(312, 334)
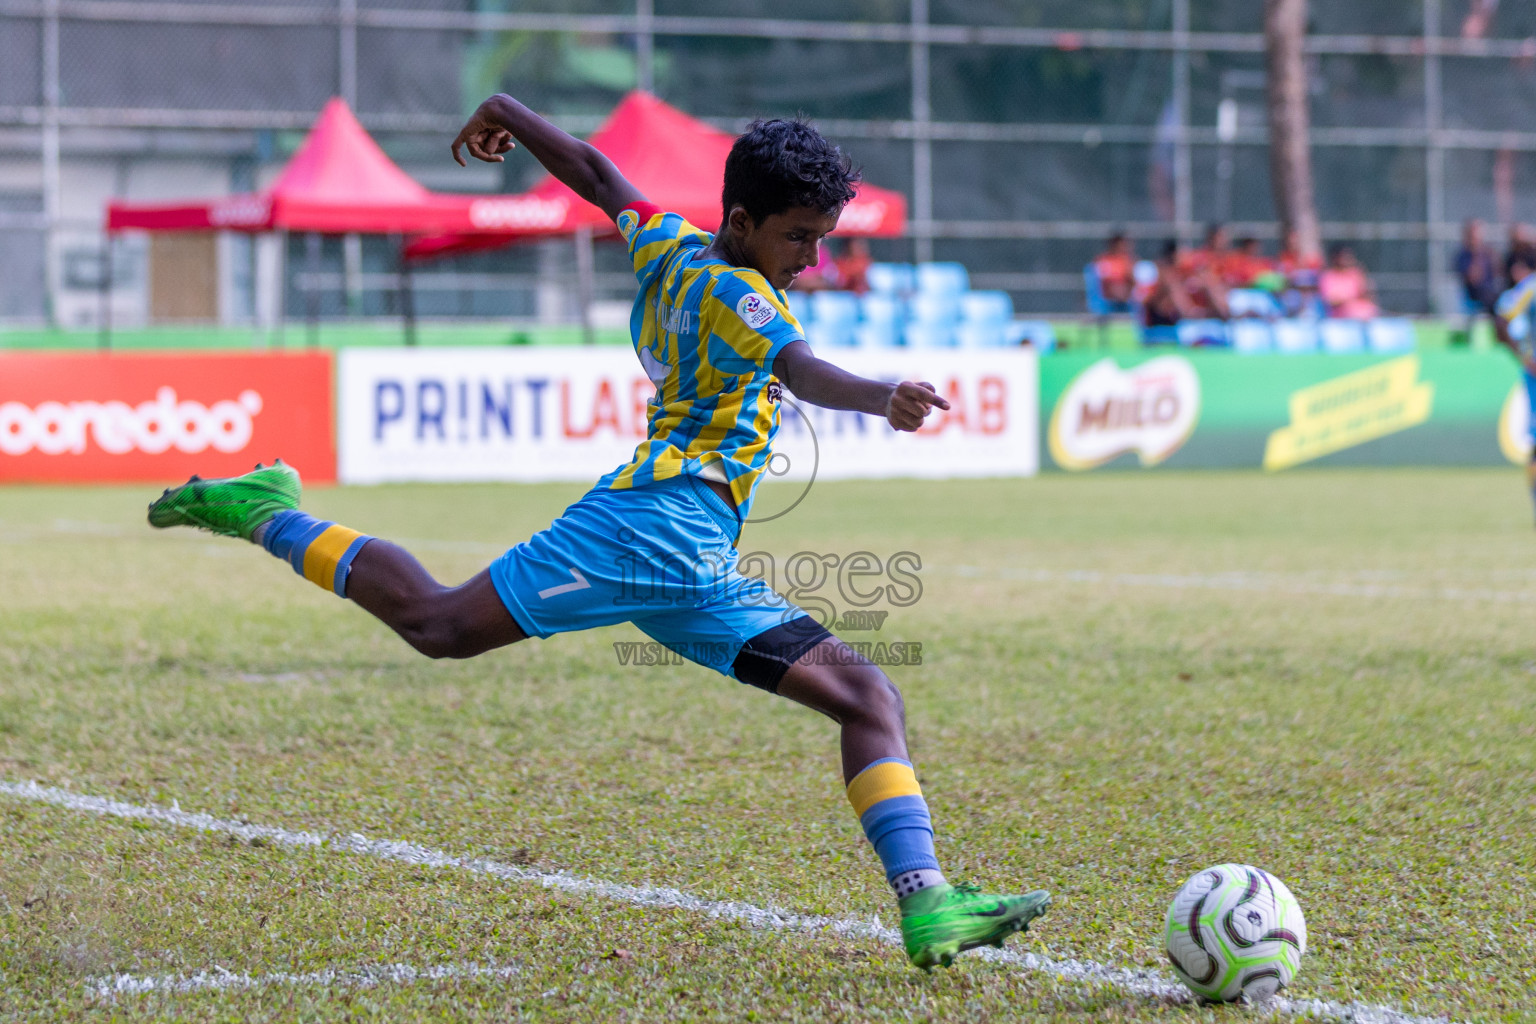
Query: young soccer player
(1512, 321)
(713, 331)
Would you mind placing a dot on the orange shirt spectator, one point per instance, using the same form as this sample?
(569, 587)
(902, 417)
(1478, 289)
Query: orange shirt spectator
(1245, 264)
(853, 266)
(1116, 268)
(1212, 255)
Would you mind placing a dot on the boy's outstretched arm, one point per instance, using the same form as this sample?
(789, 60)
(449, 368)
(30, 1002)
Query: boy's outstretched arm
(817, 381)
(501, 121)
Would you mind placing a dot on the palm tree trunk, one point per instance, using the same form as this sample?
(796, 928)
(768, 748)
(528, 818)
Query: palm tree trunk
(1290, 154)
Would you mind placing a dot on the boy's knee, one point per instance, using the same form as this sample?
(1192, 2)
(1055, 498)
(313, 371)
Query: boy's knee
(866, 692)
(435, 631)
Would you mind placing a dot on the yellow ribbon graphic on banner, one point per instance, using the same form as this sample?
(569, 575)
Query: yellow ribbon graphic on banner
(1351, 410)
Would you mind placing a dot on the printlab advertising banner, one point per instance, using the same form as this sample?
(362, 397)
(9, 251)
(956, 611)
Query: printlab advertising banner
(574, 414)
(142, 417)
(1210, 409)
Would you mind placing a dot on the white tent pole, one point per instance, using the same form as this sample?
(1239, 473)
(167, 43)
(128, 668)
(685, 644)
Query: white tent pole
(585, 277)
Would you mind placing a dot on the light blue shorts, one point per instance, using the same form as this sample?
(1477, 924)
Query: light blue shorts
(1530, 398)
(661, 556)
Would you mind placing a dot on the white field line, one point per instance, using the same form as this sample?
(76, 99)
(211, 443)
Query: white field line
(1146, 984)
(360, 977)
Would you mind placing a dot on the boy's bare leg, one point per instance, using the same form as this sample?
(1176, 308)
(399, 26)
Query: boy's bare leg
(441, 622)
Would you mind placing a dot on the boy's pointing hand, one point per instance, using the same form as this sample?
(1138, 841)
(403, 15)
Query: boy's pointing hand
(910, 403)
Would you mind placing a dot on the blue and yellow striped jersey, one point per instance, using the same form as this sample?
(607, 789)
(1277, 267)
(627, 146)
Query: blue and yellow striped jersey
(1516, 308)
(707, 334)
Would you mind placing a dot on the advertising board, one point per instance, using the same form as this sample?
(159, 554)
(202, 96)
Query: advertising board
(110, 417)
(1221, 409)
(575, 414)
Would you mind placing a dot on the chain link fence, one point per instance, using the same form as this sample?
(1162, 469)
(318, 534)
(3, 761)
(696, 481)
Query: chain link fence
(1023, 134)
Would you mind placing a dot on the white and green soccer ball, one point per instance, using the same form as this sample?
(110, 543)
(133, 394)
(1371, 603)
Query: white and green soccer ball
(1235, 932)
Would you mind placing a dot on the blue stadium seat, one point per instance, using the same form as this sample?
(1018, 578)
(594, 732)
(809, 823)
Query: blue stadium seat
(930, 334)
(1247, 302)
(986, 321)
(877, 333)
(1162, 335)
(800, 306)
(1250, 336)
(986, 307)
(1295, 337)
(1341, 337)
(878, 306)
(880, 323)
(1203, 333)
(1037, 334)
(824, 335)
(833, 318)
(931, 308)
(942, 278)
(1093, 291)
(981, 334)
(1390, 334)
(834, 307)
(890, 278)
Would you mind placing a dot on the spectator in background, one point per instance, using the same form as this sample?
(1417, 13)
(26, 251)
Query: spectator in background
(853, 266)
(821, 277)
(1477, 268)
(1210, 256)
(1245, 265)
(1201, 275)
(1294, 265)
(1169, 302)
(1345, 287)
(1298, 297)
(1116, 267)
(1522, 247)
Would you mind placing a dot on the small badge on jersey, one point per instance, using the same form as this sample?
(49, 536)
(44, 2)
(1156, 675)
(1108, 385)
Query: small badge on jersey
(755, 311)
(775, 391)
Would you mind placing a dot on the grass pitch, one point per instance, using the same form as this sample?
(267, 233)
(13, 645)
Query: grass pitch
(1125, 678)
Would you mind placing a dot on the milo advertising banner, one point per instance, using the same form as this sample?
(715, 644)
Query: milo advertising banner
(1207, 409)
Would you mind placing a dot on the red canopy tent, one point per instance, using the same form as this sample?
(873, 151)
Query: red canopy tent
(676, 161)
(338, 182)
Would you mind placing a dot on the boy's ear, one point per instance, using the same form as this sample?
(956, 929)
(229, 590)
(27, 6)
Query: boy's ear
(739, 220)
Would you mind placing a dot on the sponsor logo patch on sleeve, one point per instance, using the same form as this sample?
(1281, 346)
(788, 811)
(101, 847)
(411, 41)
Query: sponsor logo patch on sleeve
(755, 311)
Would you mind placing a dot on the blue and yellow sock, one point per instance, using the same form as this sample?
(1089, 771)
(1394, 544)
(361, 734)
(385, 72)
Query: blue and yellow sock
(890, 805)
(319, 551)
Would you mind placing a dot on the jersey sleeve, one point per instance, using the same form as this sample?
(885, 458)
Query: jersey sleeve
(746, 324)
(1514, 307)
(651, 234)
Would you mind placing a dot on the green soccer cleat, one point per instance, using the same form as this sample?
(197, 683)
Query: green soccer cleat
(941, 922)
(233, 507)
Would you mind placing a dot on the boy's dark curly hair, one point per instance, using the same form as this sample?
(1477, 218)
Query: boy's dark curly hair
(781, 163)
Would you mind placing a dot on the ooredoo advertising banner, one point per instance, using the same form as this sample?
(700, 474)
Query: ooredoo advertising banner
(1276, 412)
(110, 417)
(574, 414)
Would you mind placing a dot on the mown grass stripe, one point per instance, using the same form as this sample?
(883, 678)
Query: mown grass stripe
(1142, 983)
(1262, 583)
